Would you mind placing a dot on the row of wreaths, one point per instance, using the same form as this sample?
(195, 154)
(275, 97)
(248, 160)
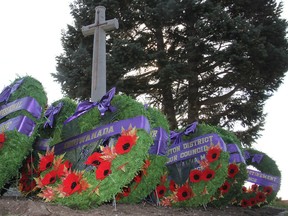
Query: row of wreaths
(119, 150)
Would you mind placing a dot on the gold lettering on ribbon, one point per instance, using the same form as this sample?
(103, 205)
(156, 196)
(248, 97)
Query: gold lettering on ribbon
(88, 137)
(174, 150)
(5, 126)
(200, 141)
(11, 108)
(153, 133)
(194, 151)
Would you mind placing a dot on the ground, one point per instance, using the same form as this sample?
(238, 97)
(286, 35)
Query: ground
(15, 205)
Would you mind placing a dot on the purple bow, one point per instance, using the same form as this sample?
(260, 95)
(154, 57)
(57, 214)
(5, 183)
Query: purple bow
(103, 105)
(178, 135)
(255, 158)
(51, 112)
(6, 93)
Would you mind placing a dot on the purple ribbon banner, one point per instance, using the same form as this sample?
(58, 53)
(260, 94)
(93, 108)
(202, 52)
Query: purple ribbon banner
(22, 124)
(140, 122)
(160, 138)
(27, 103)
(235, 154)
(7, 91)
(263, 179)
(195, 148)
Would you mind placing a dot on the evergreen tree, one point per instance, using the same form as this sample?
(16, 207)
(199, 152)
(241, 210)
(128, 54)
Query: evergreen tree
(214, 61)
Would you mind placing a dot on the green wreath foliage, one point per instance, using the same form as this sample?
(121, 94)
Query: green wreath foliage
(268, 166)
(124, 167)
(200, 192)
(17, 146)
(149, 177)
(232, 186)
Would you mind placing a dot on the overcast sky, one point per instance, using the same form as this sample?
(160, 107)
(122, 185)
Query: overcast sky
(30, 41)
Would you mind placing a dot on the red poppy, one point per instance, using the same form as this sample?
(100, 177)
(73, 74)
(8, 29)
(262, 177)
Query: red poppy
(49, 178)
(254, 187)
(208, 174)
(252, 201)
(213, 153)
(244, 189)
(195, 175)
(260, 197)
(138, 177)
(160, 191)
(126, 191)
(233, 169)
(64, 168)
(172, 185)
(268, 190)
(245, 203)
(124, 144)
(184, 193)
(95, 159)
(103, 170)
(71, 184)
(46, 161)
(2, 140)
(225, 187)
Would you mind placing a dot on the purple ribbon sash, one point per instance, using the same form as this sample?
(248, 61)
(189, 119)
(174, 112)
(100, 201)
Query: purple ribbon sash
(263, 179)
(195, 148)
(6, 93)
(255, 157)
(177, 136)
(105, 131)
(27, 103)
(160, 138)
(235, 154)
(22, 124)
(51, 112)
(103, 105)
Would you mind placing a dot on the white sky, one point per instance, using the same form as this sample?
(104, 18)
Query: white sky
(30, 41)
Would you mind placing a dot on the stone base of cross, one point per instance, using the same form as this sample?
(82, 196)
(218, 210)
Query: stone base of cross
(99, 29)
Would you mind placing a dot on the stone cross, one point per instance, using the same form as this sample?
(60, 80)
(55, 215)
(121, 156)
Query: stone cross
(99, 29)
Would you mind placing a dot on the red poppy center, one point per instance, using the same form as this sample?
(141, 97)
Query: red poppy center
(96, 162)
(214, 155)
(231, 171)
(196, 177)
(161, 191)
(106, 172)
(184, 194)
(224, 187)
(48, 164)
(126, 146)
(73, 185)
(208, 176)
(51, 179)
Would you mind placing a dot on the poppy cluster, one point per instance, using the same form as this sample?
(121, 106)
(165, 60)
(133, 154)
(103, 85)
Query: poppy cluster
(53, 177)
(255, 195)
(102, 161)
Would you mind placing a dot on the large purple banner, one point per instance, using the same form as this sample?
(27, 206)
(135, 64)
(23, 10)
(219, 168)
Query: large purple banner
(22, 124)
(27, 103)
(263, 179)
(194, 148)
(106, 131)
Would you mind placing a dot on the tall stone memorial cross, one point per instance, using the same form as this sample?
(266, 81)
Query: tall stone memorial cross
(99, 29)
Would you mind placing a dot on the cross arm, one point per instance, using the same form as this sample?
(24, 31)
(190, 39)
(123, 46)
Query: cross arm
(108, 25)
